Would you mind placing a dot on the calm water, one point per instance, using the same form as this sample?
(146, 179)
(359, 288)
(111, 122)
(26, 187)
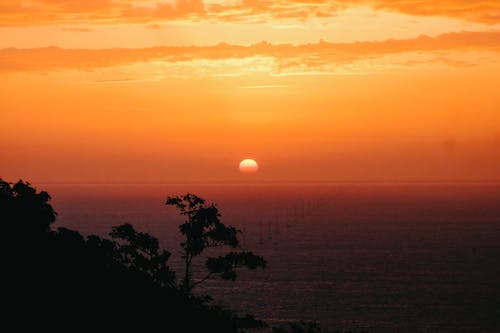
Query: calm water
(375, 257)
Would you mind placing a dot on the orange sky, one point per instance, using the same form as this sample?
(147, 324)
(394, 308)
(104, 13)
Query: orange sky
(181, 91)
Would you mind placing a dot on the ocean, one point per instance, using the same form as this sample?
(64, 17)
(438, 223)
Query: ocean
(375, 257)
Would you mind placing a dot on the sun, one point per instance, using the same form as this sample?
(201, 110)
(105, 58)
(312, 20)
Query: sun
(249, 166)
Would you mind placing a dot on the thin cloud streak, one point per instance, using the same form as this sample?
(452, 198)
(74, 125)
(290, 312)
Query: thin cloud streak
(264, 86)
(311, 56)
(73, 29)
(46, 12)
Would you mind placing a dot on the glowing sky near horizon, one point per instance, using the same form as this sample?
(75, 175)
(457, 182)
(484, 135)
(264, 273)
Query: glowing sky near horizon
(131, 91)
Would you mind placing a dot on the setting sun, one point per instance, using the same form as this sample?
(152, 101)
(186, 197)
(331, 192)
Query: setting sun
(248, 166)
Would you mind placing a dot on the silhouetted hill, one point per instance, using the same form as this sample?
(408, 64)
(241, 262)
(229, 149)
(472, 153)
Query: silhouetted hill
(57, 279)
(60, 279)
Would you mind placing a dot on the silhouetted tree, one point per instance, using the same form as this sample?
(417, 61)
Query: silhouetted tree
(203, 229)
(140, 251)
(59, 277)
(298, 327)
(25, 211)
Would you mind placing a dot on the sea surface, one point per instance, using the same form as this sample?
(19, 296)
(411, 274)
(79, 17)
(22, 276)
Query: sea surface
(400, 257)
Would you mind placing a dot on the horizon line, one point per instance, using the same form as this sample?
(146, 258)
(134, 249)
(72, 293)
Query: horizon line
(275, 182)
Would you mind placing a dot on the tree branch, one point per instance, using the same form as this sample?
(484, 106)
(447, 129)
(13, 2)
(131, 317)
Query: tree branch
(202, 280)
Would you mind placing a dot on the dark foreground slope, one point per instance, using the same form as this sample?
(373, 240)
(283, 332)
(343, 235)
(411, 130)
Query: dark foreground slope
(56, 278)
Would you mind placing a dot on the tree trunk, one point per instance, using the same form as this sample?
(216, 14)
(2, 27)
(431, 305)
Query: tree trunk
(186, 283)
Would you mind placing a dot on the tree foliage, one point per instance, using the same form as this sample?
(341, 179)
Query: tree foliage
(202, 229)
(24, 210)
(141, 251)
(123, 281)
(226, 265)
(299, 327)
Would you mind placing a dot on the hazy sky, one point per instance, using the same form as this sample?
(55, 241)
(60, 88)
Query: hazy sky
(174, 91)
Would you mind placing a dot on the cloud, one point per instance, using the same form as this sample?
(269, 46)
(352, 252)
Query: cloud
(153, 26)
(77, 29)
(36, 12)
(485, 11)
(264, 86)
(307, 56)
